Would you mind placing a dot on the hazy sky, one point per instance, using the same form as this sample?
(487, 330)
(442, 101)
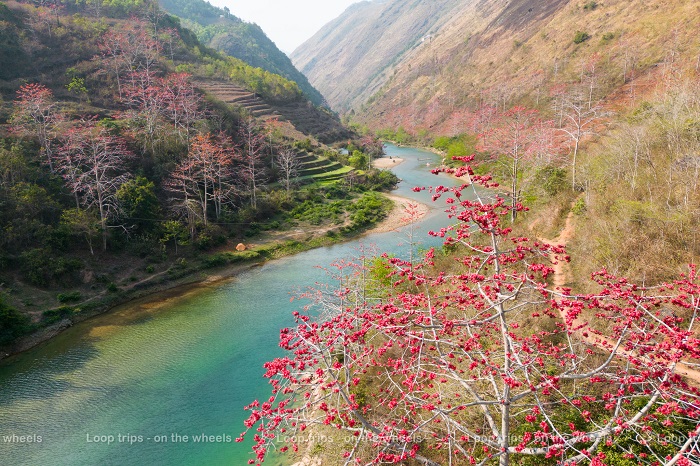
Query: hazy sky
(287, 22)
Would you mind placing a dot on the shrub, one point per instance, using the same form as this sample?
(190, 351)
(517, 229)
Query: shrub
(579, 207)
(39, 267)
(54, 315)
(12, 323)
(551, 179)
(580, 37)
(592, 5)
(370, 208)
(69, 297)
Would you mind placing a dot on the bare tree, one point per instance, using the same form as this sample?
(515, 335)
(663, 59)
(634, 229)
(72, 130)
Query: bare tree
(582, 119)
(288, 163)
(253, 144)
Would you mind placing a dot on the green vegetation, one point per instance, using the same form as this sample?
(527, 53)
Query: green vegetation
(13, 324)
(69, 297)
(369, 209)
(456, 146)
(581, 36)
(73, 238)
(219, 29)
(607, 37)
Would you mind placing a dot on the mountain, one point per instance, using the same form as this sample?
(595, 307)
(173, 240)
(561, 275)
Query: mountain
(350, 57)
(612, 85)
(219, 29)
(414, 63)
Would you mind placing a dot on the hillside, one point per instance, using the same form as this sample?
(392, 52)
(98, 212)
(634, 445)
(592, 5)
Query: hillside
(401, 63)
(221, 30)
(351, 56)
(611, 87)
(132, 156)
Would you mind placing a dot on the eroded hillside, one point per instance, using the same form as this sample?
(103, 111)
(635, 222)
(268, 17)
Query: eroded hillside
(417, 66)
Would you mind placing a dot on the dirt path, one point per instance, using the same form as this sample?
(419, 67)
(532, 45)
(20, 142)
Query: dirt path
(562, 276)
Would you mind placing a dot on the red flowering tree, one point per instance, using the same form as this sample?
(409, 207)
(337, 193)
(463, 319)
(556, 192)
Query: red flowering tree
(147, 102)
(203, 179)
(181, 104)
(35, 115)
(93, 163)
(372, 146)
(487, 363)
(131, 49)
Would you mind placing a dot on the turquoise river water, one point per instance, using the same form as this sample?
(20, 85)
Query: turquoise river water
(126, 387)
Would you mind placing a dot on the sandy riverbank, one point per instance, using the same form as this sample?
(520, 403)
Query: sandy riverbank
(386, 162)
(398, 217)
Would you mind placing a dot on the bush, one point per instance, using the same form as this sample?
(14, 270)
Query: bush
(551, 179)
(380, 180)
(12, 323)
(442, 142)
(69, 297)
(39, 267)
(370, 208)
(54, 315)
(580, 37)
(592, 5)
(579, 207)
(226, 258)
(608, 36)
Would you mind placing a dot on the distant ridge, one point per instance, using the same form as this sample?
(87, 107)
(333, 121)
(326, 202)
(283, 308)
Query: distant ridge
(223, 31)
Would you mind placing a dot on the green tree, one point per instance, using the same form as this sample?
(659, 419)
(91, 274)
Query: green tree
(82, 223)
(358, 160)
(12, 323)
(138, 202)
(174, 230)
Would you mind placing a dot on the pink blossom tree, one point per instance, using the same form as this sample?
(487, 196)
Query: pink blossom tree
(486, 363)
(35, 114)
(181, 104)
(204, 178)
(93, 164)
(132, 49)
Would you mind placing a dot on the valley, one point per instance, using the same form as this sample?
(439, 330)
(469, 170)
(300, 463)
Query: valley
(439, 232)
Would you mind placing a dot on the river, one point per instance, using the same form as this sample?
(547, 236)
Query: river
(141, 384)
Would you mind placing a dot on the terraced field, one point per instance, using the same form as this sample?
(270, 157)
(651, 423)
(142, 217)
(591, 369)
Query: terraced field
(300, 120)
(306, 119)
(319, 169)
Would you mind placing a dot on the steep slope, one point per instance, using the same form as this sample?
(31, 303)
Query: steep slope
(478, 50)
(221, 30)
(348, 57)
(300, 118)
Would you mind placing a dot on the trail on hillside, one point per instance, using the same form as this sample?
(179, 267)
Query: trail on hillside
(561, 276)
